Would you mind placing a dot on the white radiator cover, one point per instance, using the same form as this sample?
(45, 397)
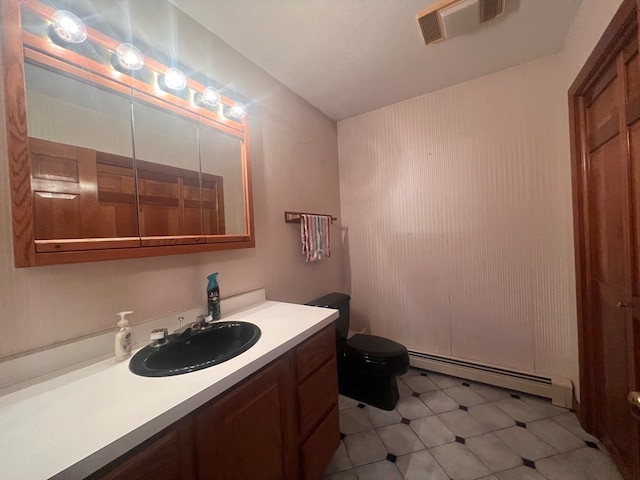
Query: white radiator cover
(558, 389)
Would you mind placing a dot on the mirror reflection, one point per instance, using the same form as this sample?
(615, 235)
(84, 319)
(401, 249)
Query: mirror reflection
(186, 180)
(220, 156)
(81, 158)
(167, 165)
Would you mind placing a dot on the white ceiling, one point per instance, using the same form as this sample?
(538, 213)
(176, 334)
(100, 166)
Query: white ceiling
(348, 57)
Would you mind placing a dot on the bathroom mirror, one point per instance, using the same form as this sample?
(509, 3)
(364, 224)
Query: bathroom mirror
(104, 163)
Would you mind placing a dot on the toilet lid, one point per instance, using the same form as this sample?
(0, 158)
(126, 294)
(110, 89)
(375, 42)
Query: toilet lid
(373, 346)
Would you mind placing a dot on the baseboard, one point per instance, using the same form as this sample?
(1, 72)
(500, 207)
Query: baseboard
(558, 389)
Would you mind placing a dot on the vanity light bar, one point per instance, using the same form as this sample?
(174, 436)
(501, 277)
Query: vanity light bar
(48, 14)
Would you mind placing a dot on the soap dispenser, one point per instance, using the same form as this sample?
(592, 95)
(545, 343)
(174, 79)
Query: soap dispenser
(123, 338)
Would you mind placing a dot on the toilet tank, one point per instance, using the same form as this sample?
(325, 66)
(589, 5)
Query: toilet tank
(339, 301)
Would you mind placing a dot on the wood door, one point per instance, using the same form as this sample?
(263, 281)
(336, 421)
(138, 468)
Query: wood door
(605, 103)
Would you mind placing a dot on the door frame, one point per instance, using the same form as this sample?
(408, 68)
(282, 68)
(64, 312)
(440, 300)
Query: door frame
(606, 50)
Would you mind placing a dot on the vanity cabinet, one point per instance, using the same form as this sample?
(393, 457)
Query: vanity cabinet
(168, 455)
(250, 433)
(279, 423)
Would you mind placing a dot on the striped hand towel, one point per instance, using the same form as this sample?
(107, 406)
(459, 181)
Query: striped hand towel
(315, 232)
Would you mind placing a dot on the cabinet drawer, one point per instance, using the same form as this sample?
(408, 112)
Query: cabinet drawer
(322, 444)
(315, 351)
(317, 395)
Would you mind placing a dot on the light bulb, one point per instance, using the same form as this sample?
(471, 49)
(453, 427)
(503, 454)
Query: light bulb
(129, 57)
(174, 79)
(68, 27)
(210, 97)
(237, 111)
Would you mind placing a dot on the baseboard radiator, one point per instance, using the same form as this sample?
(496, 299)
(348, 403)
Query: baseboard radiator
(559, 390)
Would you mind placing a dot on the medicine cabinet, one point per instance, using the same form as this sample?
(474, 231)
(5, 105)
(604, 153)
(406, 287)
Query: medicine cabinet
(114, 154)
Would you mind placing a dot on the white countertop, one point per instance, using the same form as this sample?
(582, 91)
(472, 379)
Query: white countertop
(70, 426)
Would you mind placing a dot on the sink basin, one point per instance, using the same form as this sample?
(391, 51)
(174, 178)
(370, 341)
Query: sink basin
(190, 352)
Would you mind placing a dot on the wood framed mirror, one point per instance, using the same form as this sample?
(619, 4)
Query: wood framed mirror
(107, 163)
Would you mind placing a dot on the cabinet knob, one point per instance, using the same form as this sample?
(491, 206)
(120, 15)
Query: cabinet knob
(621, 304)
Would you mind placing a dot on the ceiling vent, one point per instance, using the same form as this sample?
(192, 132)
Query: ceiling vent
(450, 18)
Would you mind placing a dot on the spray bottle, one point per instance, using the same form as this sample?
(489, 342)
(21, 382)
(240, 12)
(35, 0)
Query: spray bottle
(213, 296)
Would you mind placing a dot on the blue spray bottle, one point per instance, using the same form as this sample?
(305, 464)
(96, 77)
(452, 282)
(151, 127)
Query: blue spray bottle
(213, 296)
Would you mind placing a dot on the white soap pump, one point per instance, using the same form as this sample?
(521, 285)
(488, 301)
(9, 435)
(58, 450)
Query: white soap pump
(123, 338)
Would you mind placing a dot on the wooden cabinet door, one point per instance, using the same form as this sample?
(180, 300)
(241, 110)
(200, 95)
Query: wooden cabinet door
(167, 456)
(250, 433)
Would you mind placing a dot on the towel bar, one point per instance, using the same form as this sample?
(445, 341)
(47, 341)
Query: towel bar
(294, 217)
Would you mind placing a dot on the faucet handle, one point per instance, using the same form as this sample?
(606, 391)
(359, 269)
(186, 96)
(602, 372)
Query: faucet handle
(159, 336)
(200, 322)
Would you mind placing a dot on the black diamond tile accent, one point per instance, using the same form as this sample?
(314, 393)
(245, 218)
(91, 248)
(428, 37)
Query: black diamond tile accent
(515, 395)
(529, 463)
(391, 457)
(462, 407)
(521, 424)
(361, 405)
(406, 421)
(423, 374)
(465, 384)
(342, 435)
(415, 394)
(592, 444)
(460, 440)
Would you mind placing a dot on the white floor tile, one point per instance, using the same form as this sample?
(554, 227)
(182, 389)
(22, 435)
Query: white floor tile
(555, 435)
(493, 452)
(432, 432)
(399, 439)
(380, 418)
(492, 394)
(364, 447)
(458, 461)
(543, 405)
(412, 372)
(379, 471)
(465, 396)
(598, 464)
(403, 390)
(420, 466)
(346, 402)
(353, 420)
(421, 384)
(445, 381)
(525, 443)
(463, 424)
(520, 473)
(491, 416)
(348, 475)
(340, 460)
(518, 410)
(570, 422)
(558, 468)
(439, 401)
(412, 407)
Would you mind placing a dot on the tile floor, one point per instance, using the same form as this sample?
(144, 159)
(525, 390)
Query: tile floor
(447, 428)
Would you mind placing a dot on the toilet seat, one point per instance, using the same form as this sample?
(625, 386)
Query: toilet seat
(376, 355)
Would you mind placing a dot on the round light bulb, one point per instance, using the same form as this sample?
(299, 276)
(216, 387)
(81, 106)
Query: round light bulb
(209, 97)
(129, 57)
(238, 111)
(68, 27)
(174, 79)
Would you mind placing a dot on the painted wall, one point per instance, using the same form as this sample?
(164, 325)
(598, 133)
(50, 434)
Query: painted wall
(457, 219)
(294, 161)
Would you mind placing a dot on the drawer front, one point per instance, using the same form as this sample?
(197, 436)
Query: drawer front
(320, 447)
(315, 351)
(316, 396)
